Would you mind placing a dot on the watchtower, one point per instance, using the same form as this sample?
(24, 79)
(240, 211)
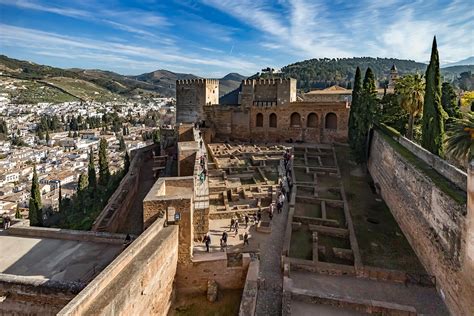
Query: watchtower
(191, 97)
(277, 91)
(393, 77)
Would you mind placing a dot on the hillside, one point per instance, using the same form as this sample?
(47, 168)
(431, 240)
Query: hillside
(324, 72)
(94, 84)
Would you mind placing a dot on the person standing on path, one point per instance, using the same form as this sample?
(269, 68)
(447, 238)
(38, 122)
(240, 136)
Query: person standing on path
(232, 223)
(236, 227)
(207, 241)
(246, 239)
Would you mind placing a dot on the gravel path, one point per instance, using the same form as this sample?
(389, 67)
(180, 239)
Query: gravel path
(270, 290)
(271, 286)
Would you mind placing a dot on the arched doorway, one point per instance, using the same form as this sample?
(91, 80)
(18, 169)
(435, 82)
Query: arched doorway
(259, 120)
(295, 120)
(273, 120)
(331, 121)
(312, 120)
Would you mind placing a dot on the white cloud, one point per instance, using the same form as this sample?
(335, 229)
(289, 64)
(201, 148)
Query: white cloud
(110, 53)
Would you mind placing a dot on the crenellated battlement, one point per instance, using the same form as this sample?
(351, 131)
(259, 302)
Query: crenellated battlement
(200, 81)
(261, 82)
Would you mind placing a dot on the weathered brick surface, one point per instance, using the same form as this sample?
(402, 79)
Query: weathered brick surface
(434, 224)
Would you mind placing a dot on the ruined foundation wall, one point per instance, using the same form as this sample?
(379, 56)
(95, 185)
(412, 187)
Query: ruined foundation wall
(433, 222)
(192, 276)
(138, 282)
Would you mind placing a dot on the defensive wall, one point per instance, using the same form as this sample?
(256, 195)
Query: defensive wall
(423, 195)
(116, 212)
(138, 282)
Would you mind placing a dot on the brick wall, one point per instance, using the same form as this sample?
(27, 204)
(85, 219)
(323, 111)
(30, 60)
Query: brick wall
(433, 222)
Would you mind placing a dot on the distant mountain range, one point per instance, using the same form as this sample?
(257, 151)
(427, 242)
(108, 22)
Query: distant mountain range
(324, 72)
(464, 62)
(100, 85)
(51, 84)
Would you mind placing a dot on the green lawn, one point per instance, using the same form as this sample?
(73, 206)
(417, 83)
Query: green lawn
(301, 245)
(382, 244)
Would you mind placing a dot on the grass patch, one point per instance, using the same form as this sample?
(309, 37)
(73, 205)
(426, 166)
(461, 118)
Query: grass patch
(440, 181)
(308, 210)
(301, 245)
(383, 244)
(228, 303)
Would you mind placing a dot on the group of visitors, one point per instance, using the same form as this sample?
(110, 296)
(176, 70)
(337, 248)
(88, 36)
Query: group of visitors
(285, 187)
(6, 221)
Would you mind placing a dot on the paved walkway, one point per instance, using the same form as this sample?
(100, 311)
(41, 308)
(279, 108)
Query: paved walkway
(425, 299)
(270, 290)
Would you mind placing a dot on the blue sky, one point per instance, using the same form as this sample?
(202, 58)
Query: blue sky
(215, 37)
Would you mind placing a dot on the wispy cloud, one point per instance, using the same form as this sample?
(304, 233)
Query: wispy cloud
(390, 28)
(110, 53)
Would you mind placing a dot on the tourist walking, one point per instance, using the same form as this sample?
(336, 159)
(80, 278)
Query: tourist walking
(259, 216)
(246, 239)
(207, 241)
(232, 222)
(236, 226)
(246, 221)
(224, 241)
(200, 144)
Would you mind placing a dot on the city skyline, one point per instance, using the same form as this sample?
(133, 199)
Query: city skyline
(212, 38)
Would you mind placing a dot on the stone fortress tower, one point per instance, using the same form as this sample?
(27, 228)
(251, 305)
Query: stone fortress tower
(191, 97)
(267, 92)
(393, 77)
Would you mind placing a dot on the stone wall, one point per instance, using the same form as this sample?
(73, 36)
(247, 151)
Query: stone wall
(34, 296)
(192, 276)
(433, 222)
(241, 124)
(138, 282)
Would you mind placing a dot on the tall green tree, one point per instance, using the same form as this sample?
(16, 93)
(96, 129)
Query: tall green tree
(47, 137)
(104, 173)
(91, 174)
(433, 113)
(410, 91)
(449, 101)
(126, 163)
(34, 206)
(460, 138)
(82, 183)
(122, 145)
(364, 117)
(355, 104)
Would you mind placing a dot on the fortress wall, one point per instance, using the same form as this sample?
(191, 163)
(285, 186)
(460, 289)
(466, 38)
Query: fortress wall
(30, 296)
(138, 282)
(433, 222)
(115, 213)
(57, 233)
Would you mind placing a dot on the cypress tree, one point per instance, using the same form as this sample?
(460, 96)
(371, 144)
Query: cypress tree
(91, 175)
(82, 183)
(47, 137)
(433, 113)
(104, 173)
(60, 196)
(364, 116)
(17, 212)
(448, 101)
(126, 163)
(355, 104)
(122, 145)
(34, 207)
